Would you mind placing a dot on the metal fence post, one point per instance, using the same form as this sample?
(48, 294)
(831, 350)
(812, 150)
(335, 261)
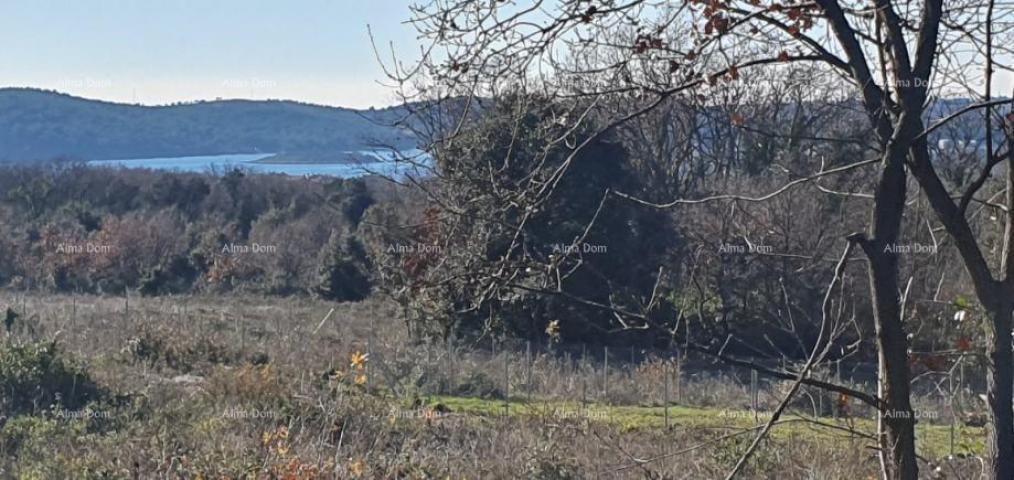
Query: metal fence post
(679, 379)
(528, 368)
(605, 372)
(753, 395)
(506, 387)
(665, 392)
(837, 379)
(950, 391)
(126, 308)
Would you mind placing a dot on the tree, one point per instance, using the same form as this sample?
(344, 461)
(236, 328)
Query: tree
(344, 271)
(578, 246)
(896, 58)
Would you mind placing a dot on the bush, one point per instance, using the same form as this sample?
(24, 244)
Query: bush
(159, 346)
(37, 376)
(548, 468)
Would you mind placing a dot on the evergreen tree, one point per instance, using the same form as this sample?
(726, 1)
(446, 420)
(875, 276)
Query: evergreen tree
(344, 270)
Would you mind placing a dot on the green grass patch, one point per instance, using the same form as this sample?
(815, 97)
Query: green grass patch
(934, 440)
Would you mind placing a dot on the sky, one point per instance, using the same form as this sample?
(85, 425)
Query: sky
(156, 52)
(164, 51)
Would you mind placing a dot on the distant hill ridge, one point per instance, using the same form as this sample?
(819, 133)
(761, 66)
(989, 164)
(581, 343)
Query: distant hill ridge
(40, 125)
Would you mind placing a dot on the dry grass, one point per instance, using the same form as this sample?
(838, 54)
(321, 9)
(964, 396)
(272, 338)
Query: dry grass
(249, 387)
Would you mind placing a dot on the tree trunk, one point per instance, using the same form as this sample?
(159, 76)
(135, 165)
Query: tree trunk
(1000, 391)
(897, 432)
(897, 435)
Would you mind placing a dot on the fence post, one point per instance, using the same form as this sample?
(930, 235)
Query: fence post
(665, 392)
(528, 368)
(753, 395)
(450, 362)
(837, 379)
(605, 372)
(584, 396)
(369, 355)
(950, 391)
(506, 387)
(961, 380)
(679, 378)
(126, 308)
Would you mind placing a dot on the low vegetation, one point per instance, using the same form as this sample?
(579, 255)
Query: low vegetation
(244, 386)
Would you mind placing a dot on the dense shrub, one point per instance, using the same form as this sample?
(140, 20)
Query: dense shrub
(37, 376)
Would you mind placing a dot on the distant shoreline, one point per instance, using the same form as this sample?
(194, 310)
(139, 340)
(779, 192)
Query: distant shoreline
(336, 158)
(347, 164)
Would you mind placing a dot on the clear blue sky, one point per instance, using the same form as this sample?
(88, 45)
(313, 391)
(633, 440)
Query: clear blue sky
(162, 51)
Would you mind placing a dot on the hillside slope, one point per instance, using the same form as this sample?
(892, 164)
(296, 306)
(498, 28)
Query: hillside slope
(37, 125)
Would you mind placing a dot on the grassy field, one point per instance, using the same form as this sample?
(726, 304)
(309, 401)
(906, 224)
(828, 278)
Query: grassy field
(934, 438)
(248, 387)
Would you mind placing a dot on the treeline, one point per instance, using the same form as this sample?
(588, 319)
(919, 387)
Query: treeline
(72, 228)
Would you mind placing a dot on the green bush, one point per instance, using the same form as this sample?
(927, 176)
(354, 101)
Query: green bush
(37, 376)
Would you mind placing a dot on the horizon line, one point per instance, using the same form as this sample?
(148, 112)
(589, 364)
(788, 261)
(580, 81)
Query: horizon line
(194, 101)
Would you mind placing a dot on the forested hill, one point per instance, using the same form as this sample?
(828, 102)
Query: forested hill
(39, 125)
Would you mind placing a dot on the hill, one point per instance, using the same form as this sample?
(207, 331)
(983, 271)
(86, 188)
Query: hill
(39, 125)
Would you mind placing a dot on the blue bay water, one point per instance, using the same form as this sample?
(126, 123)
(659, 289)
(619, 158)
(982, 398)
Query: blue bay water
(384, 164)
